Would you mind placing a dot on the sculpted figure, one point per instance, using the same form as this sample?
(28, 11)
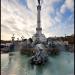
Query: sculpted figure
(39, 1)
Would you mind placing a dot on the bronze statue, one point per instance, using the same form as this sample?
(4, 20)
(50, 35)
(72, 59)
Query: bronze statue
(39, 1)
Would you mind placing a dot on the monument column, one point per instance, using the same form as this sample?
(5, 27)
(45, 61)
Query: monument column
(38, 29)
(39, 36)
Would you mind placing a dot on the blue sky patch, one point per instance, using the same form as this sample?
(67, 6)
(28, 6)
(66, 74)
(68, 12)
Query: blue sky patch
(57, 5)
(66, 15)
(23, 2)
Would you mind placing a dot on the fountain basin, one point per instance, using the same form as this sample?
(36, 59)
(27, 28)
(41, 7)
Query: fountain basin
(31, 51)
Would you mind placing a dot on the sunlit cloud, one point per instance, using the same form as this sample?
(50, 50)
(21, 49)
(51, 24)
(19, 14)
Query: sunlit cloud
(20, 18)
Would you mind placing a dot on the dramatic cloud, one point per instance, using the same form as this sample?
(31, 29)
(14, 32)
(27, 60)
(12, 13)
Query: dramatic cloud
(19, 17)
(69, 4)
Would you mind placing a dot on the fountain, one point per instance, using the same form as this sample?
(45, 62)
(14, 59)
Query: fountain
(38, 47)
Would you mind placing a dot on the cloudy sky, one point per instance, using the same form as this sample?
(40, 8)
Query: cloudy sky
(19, 17)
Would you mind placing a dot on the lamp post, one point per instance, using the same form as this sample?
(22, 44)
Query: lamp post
(13, 38)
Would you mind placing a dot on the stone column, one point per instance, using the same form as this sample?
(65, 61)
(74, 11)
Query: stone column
(38, 29)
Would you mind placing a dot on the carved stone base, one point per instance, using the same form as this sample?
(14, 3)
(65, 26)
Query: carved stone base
(40, 38)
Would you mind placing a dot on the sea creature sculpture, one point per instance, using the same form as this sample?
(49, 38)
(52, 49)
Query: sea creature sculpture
(40, 56)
